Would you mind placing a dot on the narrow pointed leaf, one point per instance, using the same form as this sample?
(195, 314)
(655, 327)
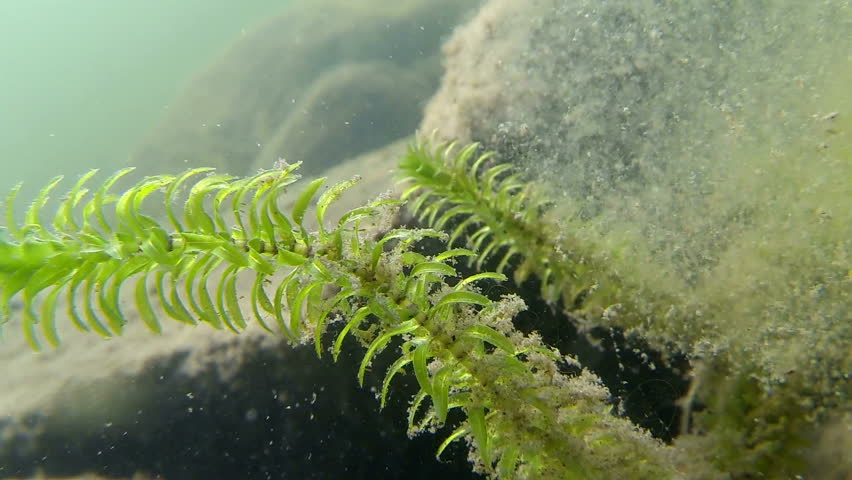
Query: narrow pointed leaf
(480, 276)
(259, 300)
(304, 200)
(457, 433)
(441, 392)
(319, 328)
(48, 317)
(354, 322)
(435, 268)
(232, 303)
(329, 197)
(492, 336)
(382, 340)
(395, 368)
(476, 420)
(420, 360)
(143, 304)
(172, 189)
(462, 297)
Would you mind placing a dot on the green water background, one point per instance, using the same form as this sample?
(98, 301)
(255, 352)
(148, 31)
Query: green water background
(82, 82)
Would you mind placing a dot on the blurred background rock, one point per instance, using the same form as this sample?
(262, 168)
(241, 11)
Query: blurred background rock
(319, 83)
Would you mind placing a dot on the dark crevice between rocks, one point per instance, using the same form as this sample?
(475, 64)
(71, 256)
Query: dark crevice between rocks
(645, 386)
(284, 415)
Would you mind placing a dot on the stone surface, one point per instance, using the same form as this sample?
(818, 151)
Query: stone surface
(354, 108)
(701, 144)
(278, 85)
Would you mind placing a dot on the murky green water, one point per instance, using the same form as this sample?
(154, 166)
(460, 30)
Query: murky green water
(82, 82)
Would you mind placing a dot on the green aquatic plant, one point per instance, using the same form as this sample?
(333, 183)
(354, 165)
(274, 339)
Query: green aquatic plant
(746, 271)
(491, 208)
(324, 282)
(602, 278)
(522, 415)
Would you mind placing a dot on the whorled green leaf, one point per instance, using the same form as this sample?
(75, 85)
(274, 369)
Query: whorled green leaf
(319, 328)
(361, 213)
(476, 420)
(33, 216)
(508, 462)
(195, 280)
(260, 300)
(380, 342)
(163, 294)
(226, 293)
(393, 370)
(297, 306)
(330, 196)
(77, 279)
(109, 296)
(479, 276)
(95, 208)
(128, 204)
(92, 319)
(257, 187)
(440, 395)
(404, 236)
(490, 335)
(302, 203)
(143, 304)
(420, 359)
(171, 190)
(463, 297)
(424, 274)
(360, 315)
(279, 302)
(48, 316)
(414, 408)
(195, 215)
(11, 226)
(457, 434)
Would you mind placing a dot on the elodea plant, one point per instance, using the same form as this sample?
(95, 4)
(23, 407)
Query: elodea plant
(522, 416)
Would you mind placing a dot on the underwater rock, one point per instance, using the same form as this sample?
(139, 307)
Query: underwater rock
(354, 108)
(227, 115)
(697, 146)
